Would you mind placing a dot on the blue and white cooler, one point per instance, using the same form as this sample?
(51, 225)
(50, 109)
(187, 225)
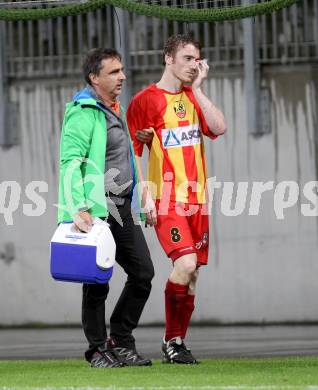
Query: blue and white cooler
(83, 257)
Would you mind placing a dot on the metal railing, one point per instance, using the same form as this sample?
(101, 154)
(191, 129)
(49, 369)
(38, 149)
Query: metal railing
(284, 37)
(55, 47)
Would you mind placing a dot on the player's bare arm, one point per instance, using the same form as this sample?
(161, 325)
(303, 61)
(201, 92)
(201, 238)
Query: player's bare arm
(147, 202)
(214, 117)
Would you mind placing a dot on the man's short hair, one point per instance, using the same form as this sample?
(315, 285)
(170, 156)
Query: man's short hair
(92, 63)
(175, 41)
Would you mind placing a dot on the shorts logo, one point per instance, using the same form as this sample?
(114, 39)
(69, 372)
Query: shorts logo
(181, 136)
(204, 242)
(175, 236)
(179, 109)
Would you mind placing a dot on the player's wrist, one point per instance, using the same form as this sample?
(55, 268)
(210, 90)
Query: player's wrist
(197, 88)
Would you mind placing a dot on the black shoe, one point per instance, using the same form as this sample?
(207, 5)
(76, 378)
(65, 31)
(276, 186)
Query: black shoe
(127, 356)
(104, 359)
(194, 360)
(175, 351)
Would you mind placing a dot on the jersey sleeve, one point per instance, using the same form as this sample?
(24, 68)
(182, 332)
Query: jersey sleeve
(136, 121)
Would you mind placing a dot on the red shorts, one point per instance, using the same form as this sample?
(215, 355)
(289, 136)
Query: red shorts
(182, 229)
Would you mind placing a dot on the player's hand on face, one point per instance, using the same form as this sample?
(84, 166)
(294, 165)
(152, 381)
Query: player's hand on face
(145, 135)
(83, 221)
(202, 73)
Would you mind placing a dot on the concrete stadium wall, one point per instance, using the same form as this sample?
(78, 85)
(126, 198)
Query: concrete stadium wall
(261, 269)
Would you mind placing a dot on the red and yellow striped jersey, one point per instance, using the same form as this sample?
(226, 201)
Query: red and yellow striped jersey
(176, 154)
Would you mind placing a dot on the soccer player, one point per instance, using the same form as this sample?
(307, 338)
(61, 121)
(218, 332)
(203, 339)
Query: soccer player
(178, 113)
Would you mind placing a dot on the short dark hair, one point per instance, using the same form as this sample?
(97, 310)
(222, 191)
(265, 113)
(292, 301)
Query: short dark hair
(175, 41)
(92, 63)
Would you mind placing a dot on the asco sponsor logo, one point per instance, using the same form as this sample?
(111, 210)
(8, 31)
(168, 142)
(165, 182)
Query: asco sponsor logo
(181, 136)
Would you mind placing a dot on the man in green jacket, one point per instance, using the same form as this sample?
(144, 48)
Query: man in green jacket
(97, 179)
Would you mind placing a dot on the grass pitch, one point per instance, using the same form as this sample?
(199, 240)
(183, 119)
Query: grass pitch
(226, 374)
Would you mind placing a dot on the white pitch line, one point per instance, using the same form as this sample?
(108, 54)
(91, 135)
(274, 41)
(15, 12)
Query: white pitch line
(241, 387)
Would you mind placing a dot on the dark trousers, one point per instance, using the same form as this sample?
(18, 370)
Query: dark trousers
(132, 254)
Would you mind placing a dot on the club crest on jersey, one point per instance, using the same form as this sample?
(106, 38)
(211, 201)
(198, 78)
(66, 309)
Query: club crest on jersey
(179, 109)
